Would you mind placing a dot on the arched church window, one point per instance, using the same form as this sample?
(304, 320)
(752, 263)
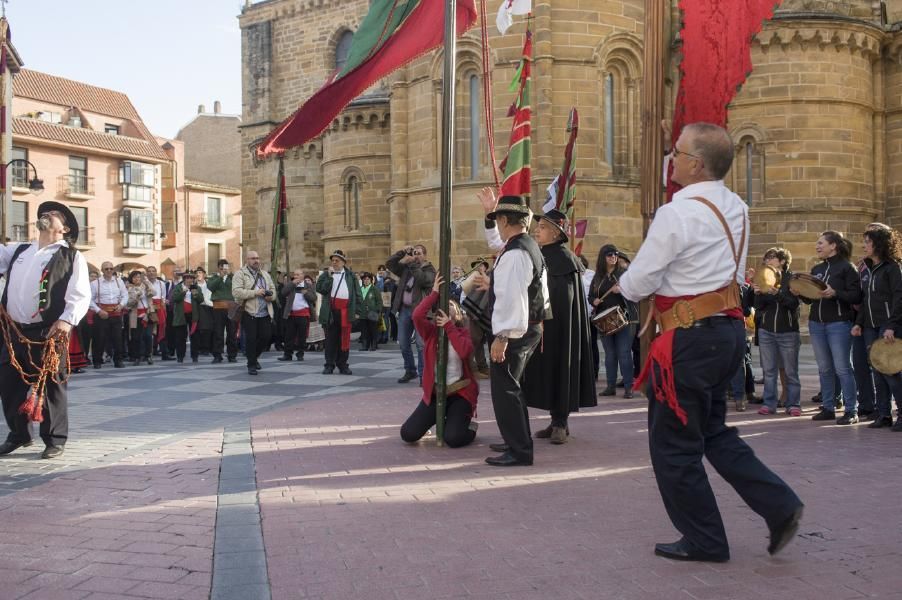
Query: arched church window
(475, 90)
(609, 119)
(352, 203)
(342, 49)
(749, 171)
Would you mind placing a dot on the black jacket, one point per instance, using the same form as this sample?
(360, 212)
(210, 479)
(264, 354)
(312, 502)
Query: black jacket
(601, 283)
(842, 276)
(778, 313)
(423, 276)
(882, 302)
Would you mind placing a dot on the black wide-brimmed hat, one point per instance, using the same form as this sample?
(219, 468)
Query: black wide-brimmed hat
(68, 217)
(340, 254)
(510, 204)
(480, 261)
(556, 218)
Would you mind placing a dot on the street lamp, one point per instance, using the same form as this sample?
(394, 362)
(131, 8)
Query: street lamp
(35, 185)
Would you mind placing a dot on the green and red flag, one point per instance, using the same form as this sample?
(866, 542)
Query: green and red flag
(566, 189)
(280, 214)
(516, 167)
(393, 33)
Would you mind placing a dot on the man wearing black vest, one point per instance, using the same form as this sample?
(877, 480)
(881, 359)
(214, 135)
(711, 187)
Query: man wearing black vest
(518, 301)
(47, 293)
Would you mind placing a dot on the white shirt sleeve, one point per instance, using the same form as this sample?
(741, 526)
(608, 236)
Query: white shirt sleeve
(123, 293)
(666, 239)
(510, 314)
(78, 292)
(493, 239)
(93, 292)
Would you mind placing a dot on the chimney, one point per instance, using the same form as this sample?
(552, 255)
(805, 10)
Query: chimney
(217, 107)
(201, 109)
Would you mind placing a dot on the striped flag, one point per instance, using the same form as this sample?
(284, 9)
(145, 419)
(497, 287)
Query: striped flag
(516, 167)
(280, 214)
(393, 33)
(566, 189)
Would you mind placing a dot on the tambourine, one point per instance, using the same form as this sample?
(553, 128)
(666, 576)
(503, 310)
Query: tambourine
(767, 278)
(886, 356)
(807, 286)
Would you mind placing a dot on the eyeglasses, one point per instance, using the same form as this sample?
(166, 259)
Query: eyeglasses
(677, 152)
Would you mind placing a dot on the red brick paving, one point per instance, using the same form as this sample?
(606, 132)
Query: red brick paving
(349, 511)
(142, 528)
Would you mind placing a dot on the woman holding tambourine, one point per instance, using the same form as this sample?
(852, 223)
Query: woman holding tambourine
(604, 294)
(880, 316)
(830, 323)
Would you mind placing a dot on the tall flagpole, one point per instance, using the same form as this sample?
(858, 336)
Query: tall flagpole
(653, 72)
(448, 94)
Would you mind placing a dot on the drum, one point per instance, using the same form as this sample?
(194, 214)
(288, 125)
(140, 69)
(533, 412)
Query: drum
(886, 356)
(610, 320)
(767, 278)
(476, 307)
(807, 286)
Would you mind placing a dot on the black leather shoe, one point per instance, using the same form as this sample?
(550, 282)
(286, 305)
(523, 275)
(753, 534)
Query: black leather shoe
(8, 446)
(785, 531)
(233, 359)
(881, 422)
(898, 425)
(257, 366)
(608, 391)
(680, 550)
(286, 358)
(216, 360)
(300, 358)
(119, 365)
(541, 434)
(328, 370)
(408, 375)
(52, 452)
(251, 371)
(824, 415)
(345, 371)
(507, 460)
(97, 366)
(499, 447)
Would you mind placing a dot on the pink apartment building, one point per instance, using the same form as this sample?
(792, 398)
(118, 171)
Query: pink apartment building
(127, 187)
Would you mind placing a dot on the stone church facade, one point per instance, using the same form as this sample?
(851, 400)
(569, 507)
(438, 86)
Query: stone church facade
(818, 127)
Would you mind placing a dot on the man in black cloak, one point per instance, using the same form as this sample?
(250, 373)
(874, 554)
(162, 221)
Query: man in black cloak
(559, 375)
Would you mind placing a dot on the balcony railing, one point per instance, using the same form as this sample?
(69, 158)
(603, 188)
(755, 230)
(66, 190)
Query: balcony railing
(220, 222)
(86, 237)
(20, 232)
(76, 186)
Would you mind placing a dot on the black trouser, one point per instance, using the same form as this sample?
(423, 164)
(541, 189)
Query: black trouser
(54, 429)
(140, 341)
(179, 341)
(295, 339)
(458, 414)
(223, 324)
(508, 399)
(257, 335)
(596, 356)
(704, 360)
(169, 338)
(334, 355)
(369, 334)
(478, 336)
(107, 330)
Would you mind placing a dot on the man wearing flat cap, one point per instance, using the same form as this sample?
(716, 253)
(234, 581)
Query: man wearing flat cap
(341, 301)
(46, 294)
(518, 292)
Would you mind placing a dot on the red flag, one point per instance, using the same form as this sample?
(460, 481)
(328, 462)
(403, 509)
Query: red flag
(580, 228)
(516, 167)
(391, 35)
(579, 249)
(717, 58)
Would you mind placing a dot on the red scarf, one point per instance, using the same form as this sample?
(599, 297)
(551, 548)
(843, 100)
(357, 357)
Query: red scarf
(161, 318)
(341, 305)
(660, 360)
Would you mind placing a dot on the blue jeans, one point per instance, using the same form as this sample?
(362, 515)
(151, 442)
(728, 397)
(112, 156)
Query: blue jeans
(618, 349)
(780, 349)
(885, 385)
(832, 344)
(406, 335)
(864, 379)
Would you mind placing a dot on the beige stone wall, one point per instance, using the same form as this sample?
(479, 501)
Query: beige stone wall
(809, 106)
(821, 108)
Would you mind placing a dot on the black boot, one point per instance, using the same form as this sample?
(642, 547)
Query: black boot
(285, 358)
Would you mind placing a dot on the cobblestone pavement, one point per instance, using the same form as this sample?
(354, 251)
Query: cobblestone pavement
(173, 472)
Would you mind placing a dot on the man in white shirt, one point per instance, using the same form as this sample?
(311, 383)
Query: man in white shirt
(46, 295)
(692, 259)
(108, 299)
(160, 303)
(341, 301)
(518, 293)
